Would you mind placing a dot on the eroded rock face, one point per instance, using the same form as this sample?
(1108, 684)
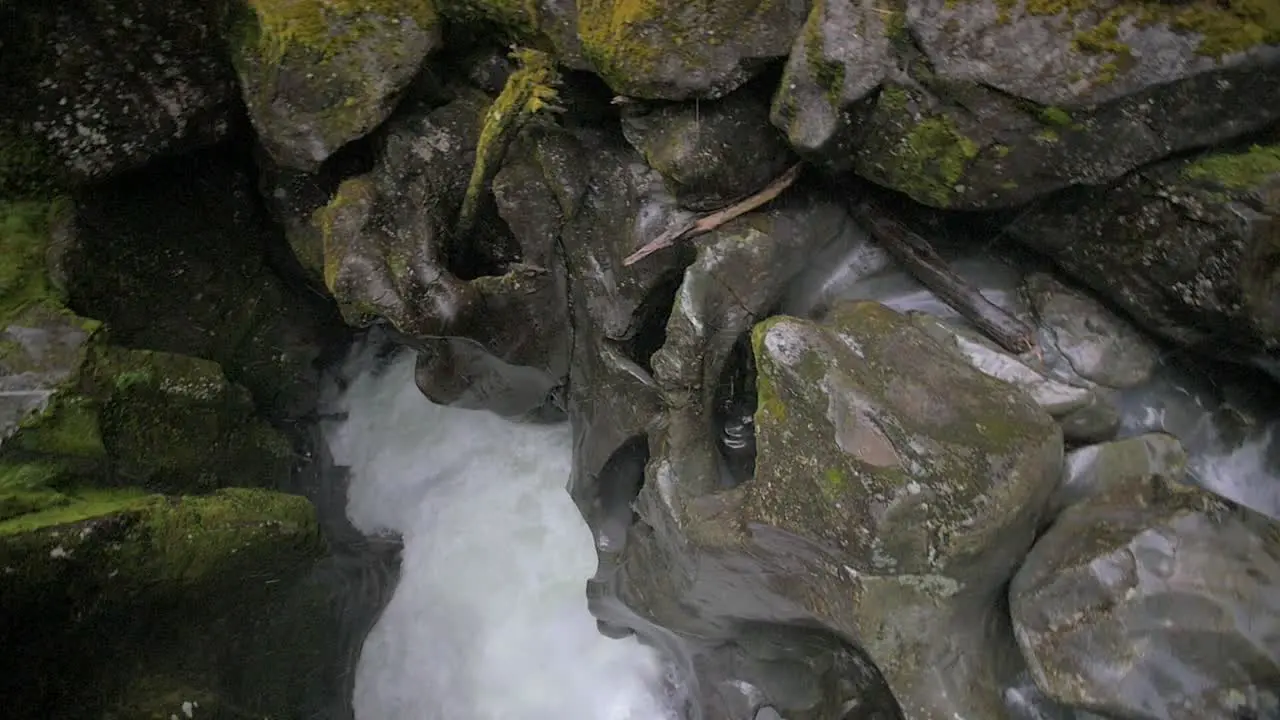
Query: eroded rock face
(1187, 248)
(1153, 600)
(671, 49)
(317, 75)
(100, 87)
(977, 98)
(895, 490)
(389, 250)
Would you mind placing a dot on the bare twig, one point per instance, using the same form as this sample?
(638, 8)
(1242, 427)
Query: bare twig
(711, 221)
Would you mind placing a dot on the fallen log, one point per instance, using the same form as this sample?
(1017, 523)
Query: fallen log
(919, 259)
(713, 220)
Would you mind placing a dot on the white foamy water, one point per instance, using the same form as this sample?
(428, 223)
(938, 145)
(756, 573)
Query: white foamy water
(489, 620)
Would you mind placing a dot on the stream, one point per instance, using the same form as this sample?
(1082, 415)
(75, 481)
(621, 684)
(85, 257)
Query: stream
(488, 619)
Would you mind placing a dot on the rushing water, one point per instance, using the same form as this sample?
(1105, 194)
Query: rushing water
(489, 619)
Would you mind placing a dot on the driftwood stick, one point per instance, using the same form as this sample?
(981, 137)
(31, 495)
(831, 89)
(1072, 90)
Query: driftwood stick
(925, 265)
(713, 220)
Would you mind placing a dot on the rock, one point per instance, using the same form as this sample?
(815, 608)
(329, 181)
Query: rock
(175, 424)
(1093, 423)
(675, 50)
(460, 373)
(317, 75)
(174, 258)
(107, 86)
(1153, 600)
(1090, 342)
(389, 249)
(965, 104)
(697, 147)
(115, 587)
(1098, 469)
(1186, 248)
(895, 491)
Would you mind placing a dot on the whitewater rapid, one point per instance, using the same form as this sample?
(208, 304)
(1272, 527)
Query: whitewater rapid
(489, 620)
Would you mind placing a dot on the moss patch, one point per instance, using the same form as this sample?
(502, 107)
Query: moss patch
(1237, 171)
(931, 157)
(24, 237)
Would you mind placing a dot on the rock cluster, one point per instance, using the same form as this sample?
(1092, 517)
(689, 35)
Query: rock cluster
(800, 480)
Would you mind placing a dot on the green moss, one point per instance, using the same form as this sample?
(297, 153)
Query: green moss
(68, 428)
(614, 36)
(1048, 135)
(834, 483)
(1055, 116)
(24, 236)
(530, 90)
(932, 155)
(73, 506)
(769, 407)
(327, 27)
(827, 73)
(1237, 171)
(352, 192)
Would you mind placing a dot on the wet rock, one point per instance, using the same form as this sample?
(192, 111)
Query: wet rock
(873, 511)
(175, 258)
(965, 104)
(538, 23)
(1153, 600)
(698, 147)
(458, 372)
(1187, 248)
(114, 592)
(1098, 469)
(671, 49)
(1093, 423)
(389, 250)
(107, 86)
(1090, 342)
(317, 75)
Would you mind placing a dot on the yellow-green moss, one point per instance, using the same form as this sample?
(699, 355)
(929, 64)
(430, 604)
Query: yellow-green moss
(327, 217)
(614, 38)
(1224, 26)
(326, 27)
(769, 407)
(24, 236)
(1048, 135)
(931, 157)
(1055, 116)
(68, 428)
(76, 505)
(828, 74)
(530, 90)
(1237, 171)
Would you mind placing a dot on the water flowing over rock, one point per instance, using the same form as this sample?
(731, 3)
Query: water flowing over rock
(96, 88)
(894, 492)
(982, 103)
(317, 75)
(1152, 600)
(1187, 248)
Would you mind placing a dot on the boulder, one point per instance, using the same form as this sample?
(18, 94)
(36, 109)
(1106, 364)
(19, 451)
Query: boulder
(984, 103)
(698, 147)
(1187, 248)
(107, 86)
(674, 50)
(317, 75)
(1149, 599)
(177, 258)
(895, 490)
(122, 604)
(1097, 469)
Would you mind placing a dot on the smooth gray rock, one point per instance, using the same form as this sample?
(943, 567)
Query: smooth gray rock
(1155, 601)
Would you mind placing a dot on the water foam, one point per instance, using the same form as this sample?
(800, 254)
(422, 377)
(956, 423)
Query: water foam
(489, 620)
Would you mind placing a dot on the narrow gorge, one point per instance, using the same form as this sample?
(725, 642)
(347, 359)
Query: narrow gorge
(640, 359)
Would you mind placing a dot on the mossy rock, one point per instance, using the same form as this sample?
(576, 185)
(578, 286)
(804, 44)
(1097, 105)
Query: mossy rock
(317, 74)
(174, 423)
(115, 585)
(674, 49)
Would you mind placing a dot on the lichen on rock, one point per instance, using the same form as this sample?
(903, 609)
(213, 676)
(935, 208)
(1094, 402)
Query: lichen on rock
(674, 49)
(317, 74)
